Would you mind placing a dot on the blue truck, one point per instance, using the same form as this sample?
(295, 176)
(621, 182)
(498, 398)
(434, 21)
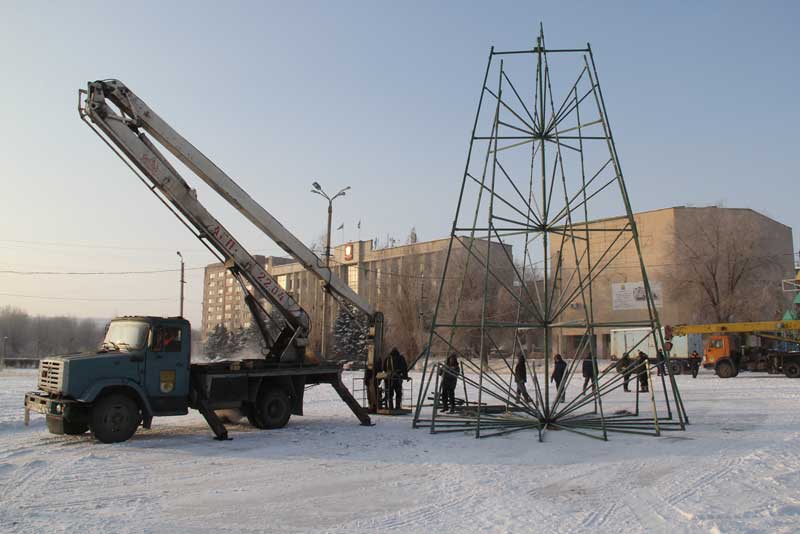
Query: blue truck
(143, 370)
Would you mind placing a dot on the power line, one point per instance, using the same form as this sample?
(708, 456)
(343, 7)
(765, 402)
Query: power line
(58, 244)
(87, 299)
(83, 245)
(81, 273)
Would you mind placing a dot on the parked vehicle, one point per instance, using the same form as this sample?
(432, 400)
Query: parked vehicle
(632, 340)
(762, 346)
(143, 370)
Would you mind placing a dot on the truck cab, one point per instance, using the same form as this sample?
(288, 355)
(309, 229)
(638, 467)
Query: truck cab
(717, 348)
(140, 370)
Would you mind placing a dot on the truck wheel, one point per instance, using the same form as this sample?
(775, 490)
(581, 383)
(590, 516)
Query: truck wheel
(725, 370)
(115, 418)
(273, 409)
(792, 369)
(675, 368)
(249, 410)
(75, 428)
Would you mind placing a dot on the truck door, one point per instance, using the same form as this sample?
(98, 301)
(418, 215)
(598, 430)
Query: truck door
(167, 370)
(717, 348)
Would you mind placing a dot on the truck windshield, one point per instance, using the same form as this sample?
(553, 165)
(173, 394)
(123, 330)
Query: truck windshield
(126, 335)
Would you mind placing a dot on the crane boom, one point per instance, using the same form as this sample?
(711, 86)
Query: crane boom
(125, 124)
(735, 328)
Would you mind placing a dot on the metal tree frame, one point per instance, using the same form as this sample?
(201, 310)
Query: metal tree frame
(536, 170)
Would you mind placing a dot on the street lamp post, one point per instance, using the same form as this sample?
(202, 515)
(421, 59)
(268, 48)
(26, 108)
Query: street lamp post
(317, 190)
(183, 279)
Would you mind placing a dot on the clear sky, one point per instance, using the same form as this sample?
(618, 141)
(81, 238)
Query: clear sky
(376, 95)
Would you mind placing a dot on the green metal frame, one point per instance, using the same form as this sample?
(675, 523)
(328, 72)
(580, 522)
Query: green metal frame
(534, 149)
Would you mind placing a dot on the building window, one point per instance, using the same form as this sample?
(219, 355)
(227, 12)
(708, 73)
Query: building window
(219, 300)
(352, 277)
(219, 317)
(282, 281)
(378, 281)
(227, 306)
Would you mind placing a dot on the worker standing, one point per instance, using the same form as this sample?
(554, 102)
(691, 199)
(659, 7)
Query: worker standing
(588, 373)
(449, 375)
(694, 361)
(661, 362)
(559, 369)
(625, 366)
(520, 377)
(396, 370)
(643, 387)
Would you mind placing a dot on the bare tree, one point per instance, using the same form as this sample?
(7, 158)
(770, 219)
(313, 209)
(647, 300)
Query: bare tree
(46, 336)
(404, 293)
(728, 267)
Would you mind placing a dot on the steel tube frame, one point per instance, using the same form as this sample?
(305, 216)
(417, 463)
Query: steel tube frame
(561, 231)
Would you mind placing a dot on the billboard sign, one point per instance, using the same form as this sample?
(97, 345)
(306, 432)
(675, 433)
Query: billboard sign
(632, 296)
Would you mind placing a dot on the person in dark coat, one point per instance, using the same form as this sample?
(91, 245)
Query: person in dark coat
(449, 381)
(588, 373)
(520, 377)
(643, 372)
(559, 369)
(661, 363)
(694, 362)
(396, 370)
(625, 366)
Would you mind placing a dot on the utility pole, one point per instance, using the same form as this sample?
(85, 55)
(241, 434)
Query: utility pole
(183, 280)
(5, 350)
(319, 191)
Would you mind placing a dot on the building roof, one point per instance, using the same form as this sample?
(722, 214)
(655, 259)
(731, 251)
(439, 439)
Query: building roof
(603, 219)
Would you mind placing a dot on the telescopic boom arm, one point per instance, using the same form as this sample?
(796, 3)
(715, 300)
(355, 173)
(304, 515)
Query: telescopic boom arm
(124, 119)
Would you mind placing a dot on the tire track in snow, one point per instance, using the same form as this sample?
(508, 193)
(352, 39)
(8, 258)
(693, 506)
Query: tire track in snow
(704, 481)
(598, 518)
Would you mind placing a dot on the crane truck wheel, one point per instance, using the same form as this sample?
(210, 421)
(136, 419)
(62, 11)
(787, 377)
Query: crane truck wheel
(792, 369)
(273, 409)
(675, 368)
(75, 428)
(725, 369)
(249, 410)
(115, 418)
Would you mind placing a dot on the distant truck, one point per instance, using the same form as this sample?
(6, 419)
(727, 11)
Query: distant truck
(733, 347)
(632, 340)
(143, 370)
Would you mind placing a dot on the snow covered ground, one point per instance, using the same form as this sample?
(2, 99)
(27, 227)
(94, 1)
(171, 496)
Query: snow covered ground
(737, 469)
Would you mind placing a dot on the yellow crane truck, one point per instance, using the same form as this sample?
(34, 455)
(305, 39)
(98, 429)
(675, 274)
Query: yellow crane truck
(727, 351)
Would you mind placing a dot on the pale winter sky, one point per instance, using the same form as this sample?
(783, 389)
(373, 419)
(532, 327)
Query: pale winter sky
(376, 95)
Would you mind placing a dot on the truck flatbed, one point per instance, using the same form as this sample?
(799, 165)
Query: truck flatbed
(235, 383)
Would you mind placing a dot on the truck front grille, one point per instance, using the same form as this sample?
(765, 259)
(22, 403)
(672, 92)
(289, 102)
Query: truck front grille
(51, 373)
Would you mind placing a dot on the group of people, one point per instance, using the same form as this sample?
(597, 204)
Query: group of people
(449, 375)
(628, 366)
(395, 371)
(557, 376)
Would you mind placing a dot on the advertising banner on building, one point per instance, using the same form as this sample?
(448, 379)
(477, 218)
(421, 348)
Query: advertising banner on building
(632, 296)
